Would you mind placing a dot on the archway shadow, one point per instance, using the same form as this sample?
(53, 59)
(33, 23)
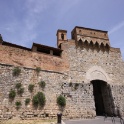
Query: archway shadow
(103, 99)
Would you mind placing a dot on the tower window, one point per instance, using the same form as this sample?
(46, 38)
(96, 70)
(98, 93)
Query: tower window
(79, 31)
(62, 36)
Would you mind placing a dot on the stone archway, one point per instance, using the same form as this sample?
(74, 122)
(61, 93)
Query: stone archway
(97, 73)
(103, 100)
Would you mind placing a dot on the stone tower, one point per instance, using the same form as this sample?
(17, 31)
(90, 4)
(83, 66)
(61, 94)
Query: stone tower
(61, 37)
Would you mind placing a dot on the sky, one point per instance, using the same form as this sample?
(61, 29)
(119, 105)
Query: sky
(23, 22)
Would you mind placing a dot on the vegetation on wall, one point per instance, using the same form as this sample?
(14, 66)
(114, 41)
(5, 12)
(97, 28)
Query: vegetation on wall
(20, 91)
(12, 94)
(42, 84)
(35, 100)
(19, 88)
(18, 85)
(38, 69)
(61, 101)
(18, 104)
(31, 87)
(16, 71)
(39, 99)
(27, 101)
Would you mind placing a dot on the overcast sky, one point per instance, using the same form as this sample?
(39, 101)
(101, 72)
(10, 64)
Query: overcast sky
(26, 21)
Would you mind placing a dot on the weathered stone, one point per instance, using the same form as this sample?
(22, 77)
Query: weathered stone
(87, 57)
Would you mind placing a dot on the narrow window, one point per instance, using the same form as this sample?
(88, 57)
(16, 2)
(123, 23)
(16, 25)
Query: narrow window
(62, 36)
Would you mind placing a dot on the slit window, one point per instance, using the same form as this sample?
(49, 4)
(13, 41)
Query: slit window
(62, 36)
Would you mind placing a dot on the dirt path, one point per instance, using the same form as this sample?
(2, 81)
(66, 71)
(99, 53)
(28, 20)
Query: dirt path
(27, 122)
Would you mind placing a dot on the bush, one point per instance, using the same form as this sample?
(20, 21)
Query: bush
(18, 104)
(27, 101)
(42, 84)
(31, 87)
(38, 69)
(61, 101)
(18, 85)
(20, 91)
(35, 100)
(39, 99)
(16, 71)
(12, 94)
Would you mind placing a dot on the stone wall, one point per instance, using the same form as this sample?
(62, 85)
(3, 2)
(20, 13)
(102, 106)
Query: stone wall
(29, 76)
(74, 84)
(69, 75)
(108, 66)
(79, 98)
(21, 57)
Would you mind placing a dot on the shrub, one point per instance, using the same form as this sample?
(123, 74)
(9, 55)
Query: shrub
(12, 94)
(27, 101)
(42, 84)
(35, 100)
(20, 91)
(31, 87)
(18, 104)
(18, 85)
(61, 101)
(38, 69)
(39, 99)
(16, 71)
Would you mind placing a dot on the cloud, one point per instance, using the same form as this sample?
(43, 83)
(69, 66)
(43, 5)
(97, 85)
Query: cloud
(36, 7)
(33, 11)
(116, 28)
(24, 28)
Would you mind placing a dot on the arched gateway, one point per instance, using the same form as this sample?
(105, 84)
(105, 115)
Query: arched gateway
(101, 90)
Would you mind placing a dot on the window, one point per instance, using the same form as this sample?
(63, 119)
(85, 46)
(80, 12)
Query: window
(62, 36)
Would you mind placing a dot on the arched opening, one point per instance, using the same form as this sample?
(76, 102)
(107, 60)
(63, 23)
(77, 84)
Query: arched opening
(86, 45)
(97, 46)
(91, 45)
(102, 97)
(62, 36)
(107, 47)
(80, 44)
(102, 47)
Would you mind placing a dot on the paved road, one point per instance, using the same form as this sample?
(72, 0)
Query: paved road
(97, 120)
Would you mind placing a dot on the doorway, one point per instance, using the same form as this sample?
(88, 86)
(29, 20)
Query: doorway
(102, 97)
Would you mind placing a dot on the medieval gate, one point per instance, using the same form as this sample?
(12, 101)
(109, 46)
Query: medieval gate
(102, 94)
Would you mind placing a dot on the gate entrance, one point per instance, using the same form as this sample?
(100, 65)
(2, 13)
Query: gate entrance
(102, 97)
